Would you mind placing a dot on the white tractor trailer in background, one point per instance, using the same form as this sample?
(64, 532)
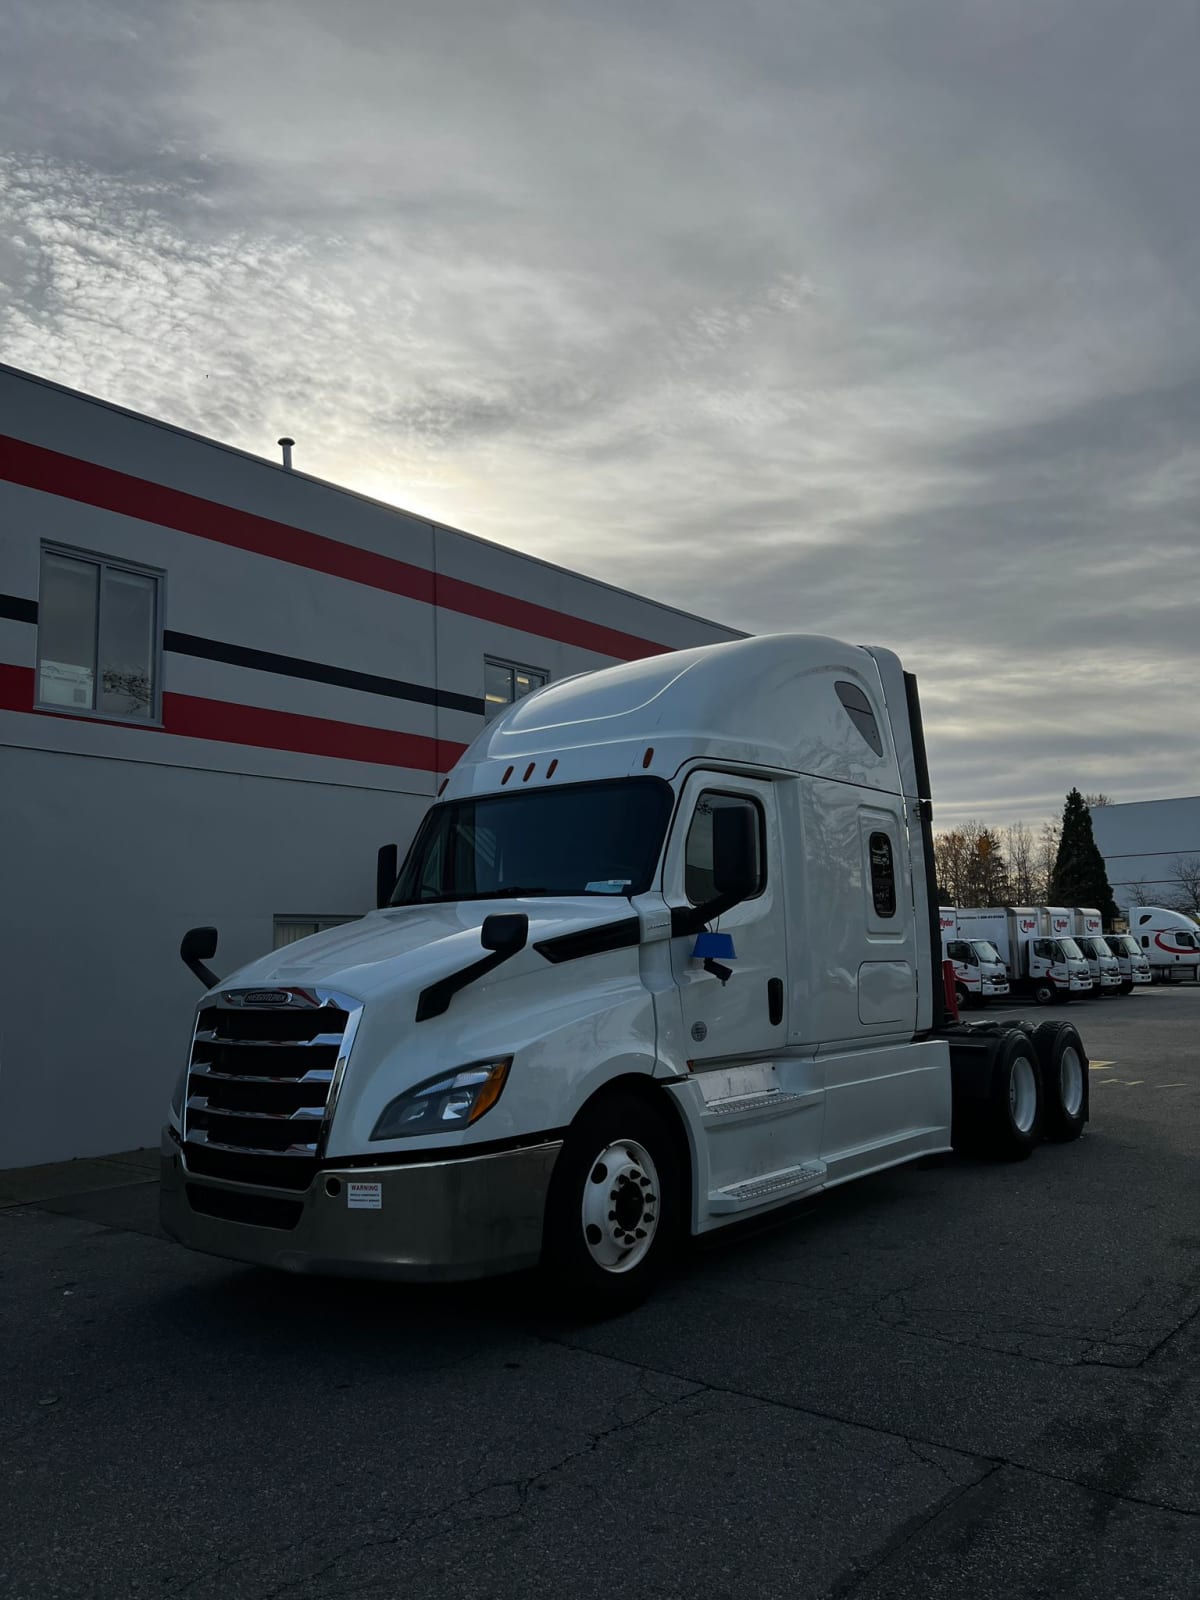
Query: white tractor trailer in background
(1169, 940)
(665, 954)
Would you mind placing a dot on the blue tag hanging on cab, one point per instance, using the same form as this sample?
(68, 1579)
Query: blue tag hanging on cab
(714, 947)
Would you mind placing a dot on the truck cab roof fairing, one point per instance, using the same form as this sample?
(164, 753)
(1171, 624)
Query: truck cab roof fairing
(778, 691)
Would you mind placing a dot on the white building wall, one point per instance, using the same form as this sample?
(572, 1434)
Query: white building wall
(1139, 842)
(268, 788)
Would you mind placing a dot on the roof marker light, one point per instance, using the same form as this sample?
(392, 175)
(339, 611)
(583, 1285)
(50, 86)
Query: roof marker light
(528, 772)
(649, 756)
(550, 769)
(508, 772)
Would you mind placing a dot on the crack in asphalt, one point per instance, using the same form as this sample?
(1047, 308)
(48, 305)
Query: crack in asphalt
(844, 1587)
(891, 1433)
(520, 1489)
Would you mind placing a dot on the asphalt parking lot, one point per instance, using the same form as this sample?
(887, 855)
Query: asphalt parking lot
(954, 1379)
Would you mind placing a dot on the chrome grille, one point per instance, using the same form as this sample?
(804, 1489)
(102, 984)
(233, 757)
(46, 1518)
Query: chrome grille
(263, 1080)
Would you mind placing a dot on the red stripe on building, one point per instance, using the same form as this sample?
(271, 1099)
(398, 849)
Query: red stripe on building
(224, 721)
(51, 472)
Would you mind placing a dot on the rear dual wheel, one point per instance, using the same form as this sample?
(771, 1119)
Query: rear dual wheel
(1064, 1066)
(1012, 1120)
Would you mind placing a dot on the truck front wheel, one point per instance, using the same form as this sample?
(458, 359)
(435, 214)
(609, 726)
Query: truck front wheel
(1045, 991)
(614, 1208)
(962, 998)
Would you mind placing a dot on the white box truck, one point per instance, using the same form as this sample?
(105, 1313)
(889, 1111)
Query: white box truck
(1048, 966)
(1131, 961)
(979, 971)
(663, 955)
(1088, 929)
(1169, 940)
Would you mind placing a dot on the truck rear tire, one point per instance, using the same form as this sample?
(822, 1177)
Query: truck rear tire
(1065, 1081)
(1012, 1123)
(614, 1210)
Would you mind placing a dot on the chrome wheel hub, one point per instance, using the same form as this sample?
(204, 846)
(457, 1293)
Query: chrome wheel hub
(621, 1206)
(1022, 1094)
(1070, 1077)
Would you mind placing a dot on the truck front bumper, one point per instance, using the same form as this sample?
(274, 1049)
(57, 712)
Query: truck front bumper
(430, 1221)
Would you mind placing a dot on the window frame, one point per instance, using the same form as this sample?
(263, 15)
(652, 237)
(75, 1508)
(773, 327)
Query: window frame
(490, 712)
(141, 569)
(748, 799)
(323, 924)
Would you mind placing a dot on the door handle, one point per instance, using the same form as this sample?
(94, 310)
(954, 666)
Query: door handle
(775, 1001)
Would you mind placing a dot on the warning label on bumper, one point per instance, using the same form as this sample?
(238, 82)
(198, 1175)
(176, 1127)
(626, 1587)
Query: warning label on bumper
(364, 1196)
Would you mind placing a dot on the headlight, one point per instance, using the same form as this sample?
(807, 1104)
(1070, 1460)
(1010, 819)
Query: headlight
(451, 1100)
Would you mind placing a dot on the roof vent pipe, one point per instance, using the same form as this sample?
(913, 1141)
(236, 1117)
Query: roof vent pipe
(286, 446)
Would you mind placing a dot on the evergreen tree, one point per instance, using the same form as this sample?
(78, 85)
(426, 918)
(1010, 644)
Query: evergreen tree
(1079, 878)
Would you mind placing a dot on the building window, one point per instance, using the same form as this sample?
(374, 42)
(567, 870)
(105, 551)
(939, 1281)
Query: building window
(698, 881)
(289, 929)
(505, 681)
(99, 632)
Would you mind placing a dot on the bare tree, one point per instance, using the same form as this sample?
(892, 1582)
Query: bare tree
(1185, 876)
(1020, 849)
(1091, 801)
(1045, 857)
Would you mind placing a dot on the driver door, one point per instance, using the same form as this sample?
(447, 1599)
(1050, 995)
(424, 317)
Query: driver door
(741, 1016)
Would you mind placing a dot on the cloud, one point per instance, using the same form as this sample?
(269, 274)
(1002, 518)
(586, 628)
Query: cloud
(867, 320)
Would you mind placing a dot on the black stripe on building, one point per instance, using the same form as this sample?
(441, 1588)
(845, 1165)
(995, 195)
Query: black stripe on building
(237, 655)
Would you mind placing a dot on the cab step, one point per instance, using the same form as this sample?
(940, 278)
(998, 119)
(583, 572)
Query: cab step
(753, 1107)
(773, 1186)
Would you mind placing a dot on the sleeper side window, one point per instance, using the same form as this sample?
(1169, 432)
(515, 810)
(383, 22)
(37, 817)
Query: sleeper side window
(858, 709)
(883, 875)
(698, 851)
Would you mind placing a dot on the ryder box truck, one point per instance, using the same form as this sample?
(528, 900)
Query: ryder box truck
(663, 955)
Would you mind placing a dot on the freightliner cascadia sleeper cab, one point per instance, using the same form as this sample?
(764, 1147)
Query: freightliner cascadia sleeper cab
(665, 954)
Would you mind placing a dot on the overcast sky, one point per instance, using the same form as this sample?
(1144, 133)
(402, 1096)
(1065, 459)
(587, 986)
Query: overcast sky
(878, 318)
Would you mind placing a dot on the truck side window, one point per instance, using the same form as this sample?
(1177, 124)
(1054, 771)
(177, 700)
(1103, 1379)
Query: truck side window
(883, 875)
(698, 857)
(958, 950)
(858, 709)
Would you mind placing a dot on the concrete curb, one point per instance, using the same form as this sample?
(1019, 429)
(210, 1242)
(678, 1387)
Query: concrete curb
(60, 1179)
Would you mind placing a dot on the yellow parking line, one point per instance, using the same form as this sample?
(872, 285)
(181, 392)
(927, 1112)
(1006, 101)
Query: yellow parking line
(1172, 1086)
(1098, 1065)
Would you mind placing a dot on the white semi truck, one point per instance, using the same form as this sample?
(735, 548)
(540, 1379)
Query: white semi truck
(979, 971)
(663, 955)
(1132, 963)
(1170, 941)
(1045, 964)
(1088, 926)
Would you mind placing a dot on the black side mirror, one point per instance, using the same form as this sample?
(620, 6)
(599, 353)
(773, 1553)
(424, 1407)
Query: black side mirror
(735, 853)
(505, 933)
(387, 870)
(197, 946)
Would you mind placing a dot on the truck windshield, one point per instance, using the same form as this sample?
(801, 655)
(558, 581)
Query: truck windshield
(1070, 949)
(986, 951)
(584, 838)
(1186, 941)
(1123, 944)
